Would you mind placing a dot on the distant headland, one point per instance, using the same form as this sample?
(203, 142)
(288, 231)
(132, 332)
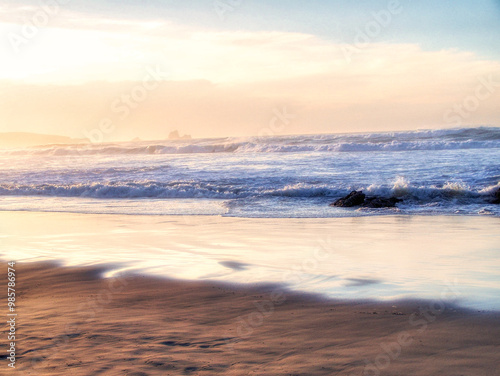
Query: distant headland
(174, 135)
(26, 139)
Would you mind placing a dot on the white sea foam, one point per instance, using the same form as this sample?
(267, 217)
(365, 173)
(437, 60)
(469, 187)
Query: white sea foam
(434, 172)
(151, 189)
(451, 139)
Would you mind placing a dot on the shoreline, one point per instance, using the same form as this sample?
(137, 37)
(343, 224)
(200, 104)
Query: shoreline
(367, 213)
(107, 273)
(385, 257)
(75, 321)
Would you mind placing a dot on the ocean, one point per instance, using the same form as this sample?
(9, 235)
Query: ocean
(256, 210)
(434, 172)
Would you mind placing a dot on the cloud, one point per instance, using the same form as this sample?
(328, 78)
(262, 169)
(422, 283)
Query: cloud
(120, 51)
(230, 82)
(407, 98)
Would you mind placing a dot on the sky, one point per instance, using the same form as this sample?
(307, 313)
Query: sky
(112, 70)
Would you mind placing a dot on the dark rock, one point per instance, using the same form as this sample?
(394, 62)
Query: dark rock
(496, 196)
(355, 198)
(358, 198)
(381, 202)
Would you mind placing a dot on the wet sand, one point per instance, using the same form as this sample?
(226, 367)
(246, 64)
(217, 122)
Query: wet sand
(73, 322)
(382, 257)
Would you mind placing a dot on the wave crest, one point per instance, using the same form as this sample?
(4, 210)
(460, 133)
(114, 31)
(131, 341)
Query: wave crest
(449, 139)
(448, 191)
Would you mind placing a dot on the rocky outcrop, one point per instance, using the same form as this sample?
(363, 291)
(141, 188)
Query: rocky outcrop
(174, 135)
(496, 196)
(380, 202)
(358, 198)
(355, 198)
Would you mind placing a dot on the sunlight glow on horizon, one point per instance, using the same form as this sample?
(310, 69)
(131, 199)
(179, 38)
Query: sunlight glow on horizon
(228, 82)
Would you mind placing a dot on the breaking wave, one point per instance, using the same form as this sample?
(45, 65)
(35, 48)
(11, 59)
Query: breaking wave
(151, 189)
(449, 139)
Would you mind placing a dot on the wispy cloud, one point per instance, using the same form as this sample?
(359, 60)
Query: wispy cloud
(112, 50)
(217, 79)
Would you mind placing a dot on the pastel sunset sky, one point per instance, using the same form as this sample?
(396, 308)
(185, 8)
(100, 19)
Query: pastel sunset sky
(225, 67)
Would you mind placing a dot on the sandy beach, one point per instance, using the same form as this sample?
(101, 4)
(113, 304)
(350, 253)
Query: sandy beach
(166, 295)
(268, 188)
(71, 321)
(383, 257)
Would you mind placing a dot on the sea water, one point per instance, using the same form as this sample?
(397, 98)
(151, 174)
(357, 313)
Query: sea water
(256, 210)
(451, 172)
